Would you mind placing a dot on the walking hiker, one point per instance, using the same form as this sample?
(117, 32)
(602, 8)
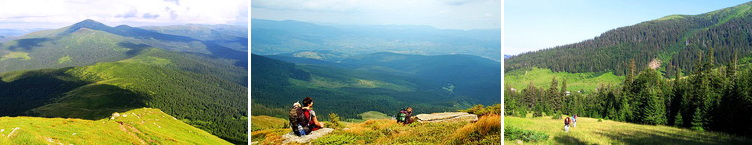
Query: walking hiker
(574, 120)
(566, 124)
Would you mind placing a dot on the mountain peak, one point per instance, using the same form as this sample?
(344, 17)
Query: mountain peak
(88, 23)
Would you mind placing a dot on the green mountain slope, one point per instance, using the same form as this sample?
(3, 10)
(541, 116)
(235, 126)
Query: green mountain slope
(212, 98)
(138, 126)
(675, 40)
(585, 82)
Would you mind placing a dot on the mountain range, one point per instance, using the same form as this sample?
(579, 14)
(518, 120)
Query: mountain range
(90, 70)
(277, 37)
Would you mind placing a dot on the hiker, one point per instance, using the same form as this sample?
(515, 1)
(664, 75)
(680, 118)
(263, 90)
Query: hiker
(404, 116)
(303, 119)
(566, 124)
(574, 120)
(314, 123)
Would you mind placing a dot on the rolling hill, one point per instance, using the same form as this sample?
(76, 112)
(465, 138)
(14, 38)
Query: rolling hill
(89, 70)
(230, 36)
(278, 37)
(381, 82)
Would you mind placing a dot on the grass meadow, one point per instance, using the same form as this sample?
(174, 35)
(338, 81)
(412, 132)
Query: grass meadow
(591, 131)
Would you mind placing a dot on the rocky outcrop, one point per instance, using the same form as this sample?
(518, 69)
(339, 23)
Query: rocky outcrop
(291, 137)
(447, 116)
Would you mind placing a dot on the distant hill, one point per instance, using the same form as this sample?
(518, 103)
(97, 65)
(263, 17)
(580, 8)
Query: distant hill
(89, 41)
(138, 126)
(278, 37)
(230, 36)
(675, 40)
(375, 82)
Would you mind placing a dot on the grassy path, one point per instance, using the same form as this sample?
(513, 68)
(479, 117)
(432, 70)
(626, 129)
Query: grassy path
(590, 131)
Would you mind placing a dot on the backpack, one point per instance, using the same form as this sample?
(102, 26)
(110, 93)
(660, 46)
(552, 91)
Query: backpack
(299, 121)
(402, 116)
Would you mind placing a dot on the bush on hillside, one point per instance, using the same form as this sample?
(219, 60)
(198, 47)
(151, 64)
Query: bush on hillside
(480, 110)
(334, 121)
(521, 113)
(556, 115)
(477, 109)
(513, 133)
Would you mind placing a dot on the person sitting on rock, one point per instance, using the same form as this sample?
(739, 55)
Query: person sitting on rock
(314, 123)
(405, 116)
(409, 117)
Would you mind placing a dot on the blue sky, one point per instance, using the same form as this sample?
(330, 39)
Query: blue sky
(445, 14)
(537, 24)
(24, 14)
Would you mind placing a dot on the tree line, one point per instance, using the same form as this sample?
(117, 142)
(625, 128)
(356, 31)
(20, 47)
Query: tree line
(710, 97)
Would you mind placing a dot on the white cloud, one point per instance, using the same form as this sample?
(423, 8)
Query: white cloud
(58, 13)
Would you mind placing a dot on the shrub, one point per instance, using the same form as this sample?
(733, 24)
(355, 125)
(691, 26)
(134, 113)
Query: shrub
(521, 113)
(513, 133)
(334, 121)
(600, 120)
(556, 116)
(493, 109)
(477, 109)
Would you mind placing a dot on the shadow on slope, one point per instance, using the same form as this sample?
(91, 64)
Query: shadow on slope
(55, 93)
(656, 136)
(569, 140)
(27, 44)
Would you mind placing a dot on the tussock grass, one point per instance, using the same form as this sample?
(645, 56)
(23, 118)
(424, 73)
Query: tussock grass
(590, 131)
(486, 130)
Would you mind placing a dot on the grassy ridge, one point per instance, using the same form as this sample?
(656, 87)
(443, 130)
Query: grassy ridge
(206, 93)
(590, 131)
(139, 126)
(521, 78)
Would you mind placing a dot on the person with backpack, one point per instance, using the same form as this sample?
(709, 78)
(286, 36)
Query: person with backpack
(574, 120)
(297, 125)
(404, 116)
(313, 122)
(566, 124)
(303, 119)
